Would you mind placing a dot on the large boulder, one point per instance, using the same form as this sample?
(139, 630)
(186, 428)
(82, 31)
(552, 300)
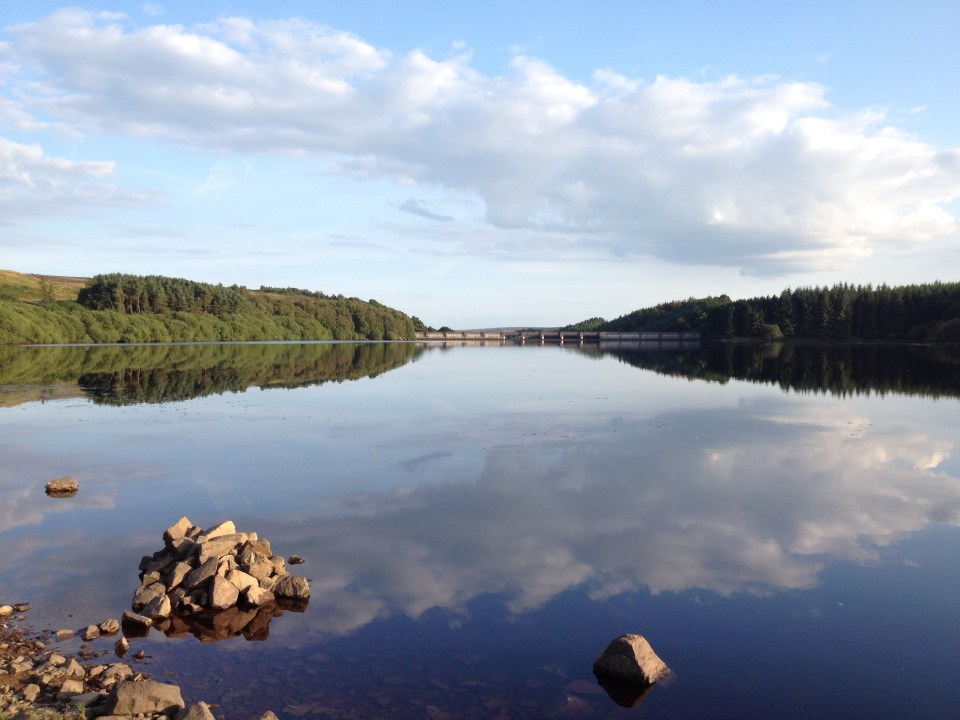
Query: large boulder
(630, 659)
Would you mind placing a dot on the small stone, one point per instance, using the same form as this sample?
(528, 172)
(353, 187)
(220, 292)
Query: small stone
(111, 626)
(71, 687)
(121, 647)
(62, 487)
(268, 715)
(30, 692)
(56, 660)
(64, 634)
(6, 610)
(74, 669)
(295, 560)
(135, 622)
(91, 632)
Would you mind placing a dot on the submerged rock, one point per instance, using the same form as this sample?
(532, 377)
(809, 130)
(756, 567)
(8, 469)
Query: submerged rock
(630, 659)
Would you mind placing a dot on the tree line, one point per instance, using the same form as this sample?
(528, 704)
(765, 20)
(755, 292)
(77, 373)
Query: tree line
(910, 313)
(127, 308)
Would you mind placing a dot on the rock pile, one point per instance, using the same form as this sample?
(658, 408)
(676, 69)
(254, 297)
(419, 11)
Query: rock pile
(214, 583)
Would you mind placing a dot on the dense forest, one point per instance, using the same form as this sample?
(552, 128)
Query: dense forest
(130, 308)
(910, 313)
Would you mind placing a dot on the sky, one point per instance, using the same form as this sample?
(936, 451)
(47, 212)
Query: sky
(486, 165)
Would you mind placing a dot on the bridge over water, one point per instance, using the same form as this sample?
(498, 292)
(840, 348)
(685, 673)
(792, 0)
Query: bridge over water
(561, 337)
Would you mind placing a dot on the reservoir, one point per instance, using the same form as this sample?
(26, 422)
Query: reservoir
(782, 523)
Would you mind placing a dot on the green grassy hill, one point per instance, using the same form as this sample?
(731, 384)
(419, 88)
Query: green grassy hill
(38, 288)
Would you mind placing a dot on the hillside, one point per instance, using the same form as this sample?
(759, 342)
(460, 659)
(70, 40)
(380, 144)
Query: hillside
(142, 309)
(38, 288)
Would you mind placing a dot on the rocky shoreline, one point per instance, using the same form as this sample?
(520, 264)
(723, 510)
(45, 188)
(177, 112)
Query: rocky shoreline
(37, 681)
(214, 583)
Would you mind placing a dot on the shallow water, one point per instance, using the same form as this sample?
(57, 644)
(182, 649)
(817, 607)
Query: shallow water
(478, 522)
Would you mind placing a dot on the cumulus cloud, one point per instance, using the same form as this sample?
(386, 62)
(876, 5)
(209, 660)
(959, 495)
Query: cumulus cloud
(756, 173)
(34, 184)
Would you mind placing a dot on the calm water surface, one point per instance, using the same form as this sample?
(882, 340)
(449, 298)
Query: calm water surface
(478, 522)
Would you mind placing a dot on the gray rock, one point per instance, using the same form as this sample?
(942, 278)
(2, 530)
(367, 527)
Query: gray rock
(158, 608)
(145, 697)
(147, 593)
(223, 593)
(242, 580)
(202, 574)
(215, 548)
(260, 569)
(177, 531)
(178, 573)
(71, 687)
(62, 487)
(197, 711)
(135, 622)
(258, 596)
(227, 527)
(630, 658)
(91, 632)
(279, 565)
(292, 586)
(121, 647)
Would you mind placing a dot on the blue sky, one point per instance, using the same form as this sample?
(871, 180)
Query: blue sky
(500, 163)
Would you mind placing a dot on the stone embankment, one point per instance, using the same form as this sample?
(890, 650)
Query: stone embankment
(197, 573)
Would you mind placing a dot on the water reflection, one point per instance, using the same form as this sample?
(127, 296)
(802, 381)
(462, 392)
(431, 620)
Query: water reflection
(832, 369)
(755, 500)
(120, 375)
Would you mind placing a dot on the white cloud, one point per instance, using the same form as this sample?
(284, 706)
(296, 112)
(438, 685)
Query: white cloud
(760, 174)
(34, 184)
